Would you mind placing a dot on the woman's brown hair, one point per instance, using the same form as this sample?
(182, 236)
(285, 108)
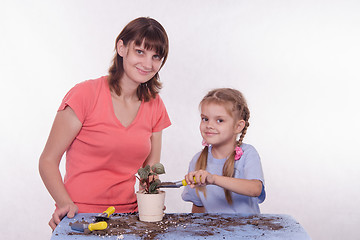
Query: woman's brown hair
(235, 103)
(139, 30)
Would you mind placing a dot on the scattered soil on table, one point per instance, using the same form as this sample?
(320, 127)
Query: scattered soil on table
(193, 224)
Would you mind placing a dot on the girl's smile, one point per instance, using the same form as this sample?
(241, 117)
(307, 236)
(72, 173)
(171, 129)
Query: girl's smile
(210, 133)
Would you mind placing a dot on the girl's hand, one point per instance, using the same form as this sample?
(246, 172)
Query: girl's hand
(68, 210)
(199, 178)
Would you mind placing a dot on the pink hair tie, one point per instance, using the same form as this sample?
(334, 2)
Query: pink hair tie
(238, 153)
(204, 143)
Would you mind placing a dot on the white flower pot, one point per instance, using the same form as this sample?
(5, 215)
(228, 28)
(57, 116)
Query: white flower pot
(151, 206)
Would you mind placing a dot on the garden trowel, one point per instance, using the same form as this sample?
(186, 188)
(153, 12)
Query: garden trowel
(173, 184)
(86, 227)
(105, 215)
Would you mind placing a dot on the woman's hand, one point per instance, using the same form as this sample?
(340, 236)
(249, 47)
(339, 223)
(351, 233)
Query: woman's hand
(199, 178)
(68, 210)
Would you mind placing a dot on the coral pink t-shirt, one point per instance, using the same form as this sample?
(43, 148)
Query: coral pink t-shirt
(102, 161)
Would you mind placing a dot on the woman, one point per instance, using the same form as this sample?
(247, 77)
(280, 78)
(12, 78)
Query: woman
(109, 127)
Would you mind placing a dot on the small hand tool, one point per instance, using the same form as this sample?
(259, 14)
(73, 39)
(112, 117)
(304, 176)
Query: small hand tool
(173, 184)
(86, 227)
(105, 215)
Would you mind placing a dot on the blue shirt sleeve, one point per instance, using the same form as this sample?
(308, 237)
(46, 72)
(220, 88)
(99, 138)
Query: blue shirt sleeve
(252, 168)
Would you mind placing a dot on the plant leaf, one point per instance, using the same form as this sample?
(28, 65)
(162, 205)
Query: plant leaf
(144, 172)
(153, 186)
(147, 167)
(158, 168)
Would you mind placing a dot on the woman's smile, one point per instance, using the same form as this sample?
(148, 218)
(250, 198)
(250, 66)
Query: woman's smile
(143, 72)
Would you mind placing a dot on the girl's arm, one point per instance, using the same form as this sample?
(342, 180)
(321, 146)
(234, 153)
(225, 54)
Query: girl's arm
(64, 130)
(251, 188)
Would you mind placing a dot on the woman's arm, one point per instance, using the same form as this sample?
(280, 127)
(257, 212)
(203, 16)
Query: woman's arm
(251, 188)
(64, 130)
(154, 156)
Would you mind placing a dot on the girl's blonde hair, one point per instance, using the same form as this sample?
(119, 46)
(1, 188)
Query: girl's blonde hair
(235, 103)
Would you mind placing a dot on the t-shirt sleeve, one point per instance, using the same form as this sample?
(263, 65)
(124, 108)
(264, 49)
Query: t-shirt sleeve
(253, 169)
(161, 119)
(77, 98)
(189, 194)
(252, 165)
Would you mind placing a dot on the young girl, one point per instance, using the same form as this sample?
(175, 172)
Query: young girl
(109, 127)
(226, 176)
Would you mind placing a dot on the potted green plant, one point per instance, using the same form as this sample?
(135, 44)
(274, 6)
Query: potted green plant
(150, 199)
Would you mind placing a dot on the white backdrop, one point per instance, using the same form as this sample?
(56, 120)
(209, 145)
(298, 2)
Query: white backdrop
(297, 62)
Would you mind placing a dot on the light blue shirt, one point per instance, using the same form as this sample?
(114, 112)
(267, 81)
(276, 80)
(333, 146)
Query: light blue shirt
(247, 167)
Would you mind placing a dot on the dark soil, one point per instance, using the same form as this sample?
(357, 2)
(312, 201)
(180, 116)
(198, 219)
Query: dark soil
(193, 224)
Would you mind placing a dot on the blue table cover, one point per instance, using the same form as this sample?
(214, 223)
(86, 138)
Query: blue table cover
(192, 226)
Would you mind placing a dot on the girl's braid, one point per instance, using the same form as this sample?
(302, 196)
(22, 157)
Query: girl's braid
(245, 115)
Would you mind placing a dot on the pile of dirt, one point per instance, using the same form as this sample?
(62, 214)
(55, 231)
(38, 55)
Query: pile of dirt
(194, 224)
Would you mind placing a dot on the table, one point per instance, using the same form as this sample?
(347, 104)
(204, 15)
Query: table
(188, 226)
